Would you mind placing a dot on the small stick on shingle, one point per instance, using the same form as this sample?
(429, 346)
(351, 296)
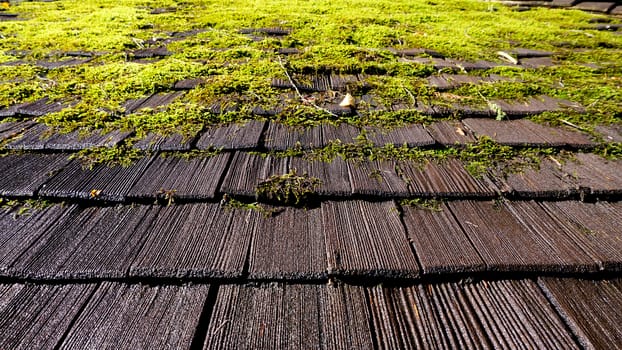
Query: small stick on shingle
(412, 97)
(302, 98)
(572, 125)
(507, 56)
(557, 162)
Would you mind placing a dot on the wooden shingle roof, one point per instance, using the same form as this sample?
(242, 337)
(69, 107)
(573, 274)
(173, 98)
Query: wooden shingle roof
(436, 219)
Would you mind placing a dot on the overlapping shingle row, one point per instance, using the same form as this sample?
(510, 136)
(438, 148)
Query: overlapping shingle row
(598, 6)
(272, 136)
(240, 174)
(442, 315)
(351, 240)
(184, 250)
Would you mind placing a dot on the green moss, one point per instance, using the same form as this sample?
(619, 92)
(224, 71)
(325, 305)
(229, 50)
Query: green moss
(21, 207)
(392, 119)
(290, 189)
(342, 37)
(504, 90)
(109, 156)
(610, 150)
(479, 157)
(423, 204)
(350, 36)
(231, 203)
(184, 119)
(80, 116)
(363, 149)
(486, 155)
(298, 114)
(192, 154)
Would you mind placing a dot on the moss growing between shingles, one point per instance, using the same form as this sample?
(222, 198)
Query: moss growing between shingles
(350, 36)
(296, 113)
(486, 154)
(597, 90)
(479, 157)
(80, 116)
(109, 25)
(180, 118)
(69, 26)
(20, 73)
(393, 118)
(21, 207)
(422, 204)
(231, 203)
(20, 92)
(399, 90)
(356, 38)
(341, 65)
(363, 150)
(289, 189)
(503, 90)
(611, 150)
(109, 156)
(118, 81)
(192, 154)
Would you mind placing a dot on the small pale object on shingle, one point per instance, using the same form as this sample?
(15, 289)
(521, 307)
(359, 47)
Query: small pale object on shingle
(507, 57)
(348, 101)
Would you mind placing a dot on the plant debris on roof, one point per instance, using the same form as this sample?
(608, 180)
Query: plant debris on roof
(354, 175)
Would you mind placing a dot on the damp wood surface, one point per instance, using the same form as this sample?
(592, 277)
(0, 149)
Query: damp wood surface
(329, 175)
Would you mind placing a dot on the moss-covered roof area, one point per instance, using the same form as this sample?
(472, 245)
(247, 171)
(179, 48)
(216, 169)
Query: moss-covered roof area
(205, 40)
(182, 67)
(310, 174)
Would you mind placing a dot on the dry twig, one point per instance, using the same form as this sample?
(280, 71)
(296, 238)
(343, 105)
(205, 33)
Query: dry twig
(302, 98)
(410, 94)
(572, 124)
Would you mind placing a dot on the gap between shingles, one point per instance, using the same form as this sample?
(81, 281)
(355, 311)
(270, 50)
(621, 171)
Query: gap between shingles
(223, 175)
(453, 215)
(261, 141)
(410, 243)
(569, 324)
(370, 320)
(200, 334)
(77, 316)
(143, 241)
(362, 281)
(247, 259)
